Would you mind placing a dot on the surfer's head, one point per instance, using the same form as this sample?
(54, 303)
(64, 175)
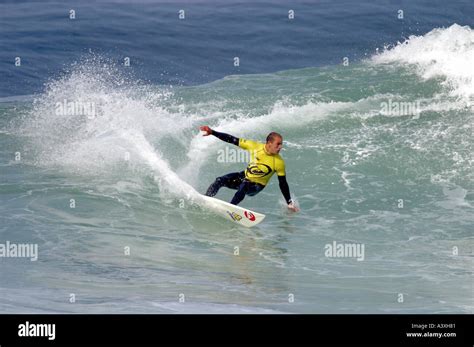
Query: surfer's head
(274, 143)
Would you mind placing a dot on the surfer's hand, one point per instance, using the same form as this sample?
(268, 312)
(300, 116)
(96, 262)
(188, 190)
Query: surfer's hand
(293, 207)
(206, 129)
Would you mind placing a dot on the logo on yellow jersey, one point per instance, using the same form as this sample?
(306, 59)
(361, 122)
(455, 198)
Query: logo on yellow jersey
(259, 170)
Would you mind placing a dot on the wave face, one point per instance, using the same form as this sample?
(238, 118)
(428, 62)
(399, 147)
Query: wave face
(378, 153)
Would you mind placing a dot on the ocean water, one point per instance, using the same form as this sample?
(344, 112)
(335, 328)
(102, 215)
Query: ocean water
(378, 150)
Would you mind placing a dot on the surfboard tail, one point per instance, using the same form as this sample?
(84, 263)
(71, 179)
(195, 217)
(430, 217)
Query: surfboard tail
(234, 213)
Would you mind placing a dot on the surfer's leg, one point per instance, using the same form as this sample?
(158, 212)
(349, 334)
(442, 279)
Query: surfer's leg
(254, 189)
(240, 195)
(246, 188)
(232, 181)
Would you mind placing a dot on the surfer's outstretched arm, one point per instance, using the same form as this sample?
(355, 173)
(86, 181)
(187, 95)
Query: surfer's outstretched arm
(221, 136)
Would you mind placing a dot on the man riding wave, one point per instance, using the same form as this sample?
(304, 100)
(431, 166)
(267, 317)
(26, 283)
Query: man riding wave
(265, 160)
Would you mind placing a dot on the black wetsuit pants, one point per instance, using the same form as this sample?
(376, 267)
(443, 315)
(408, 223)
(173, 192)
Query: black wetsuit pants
(235, 180)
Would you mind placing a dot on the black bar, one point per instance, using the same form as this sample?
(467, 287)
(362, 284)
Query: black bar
(241, 329)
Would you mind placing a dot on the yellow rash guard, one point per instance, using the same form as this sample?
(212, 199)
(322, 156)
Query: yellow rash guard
(262, 165)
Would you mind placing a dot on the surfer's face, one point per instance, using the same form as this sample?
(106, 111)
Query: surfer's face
(275, 146)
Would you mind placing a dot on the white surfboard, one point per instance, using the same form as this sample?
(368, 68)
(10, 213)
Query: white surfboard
(237, 214)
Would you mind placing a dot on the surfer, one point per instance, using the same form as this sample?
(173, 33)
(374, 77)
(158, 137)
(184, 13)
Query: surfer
(265, 161)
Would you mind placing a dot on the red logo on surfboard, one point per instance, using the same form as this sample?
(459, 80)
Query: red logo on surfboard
(249, 216)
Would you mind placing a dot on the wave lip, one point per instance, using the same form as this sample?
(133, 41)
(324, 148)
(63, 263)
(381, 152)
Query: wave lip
(442, 53)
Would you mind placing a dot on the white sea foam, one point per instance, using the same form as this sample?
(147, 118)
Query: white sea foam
(446, 53)
(128, 119)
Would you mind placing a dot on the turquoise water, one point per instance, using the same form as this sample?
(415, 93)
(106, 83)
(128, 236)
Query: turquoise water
(400, 184)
